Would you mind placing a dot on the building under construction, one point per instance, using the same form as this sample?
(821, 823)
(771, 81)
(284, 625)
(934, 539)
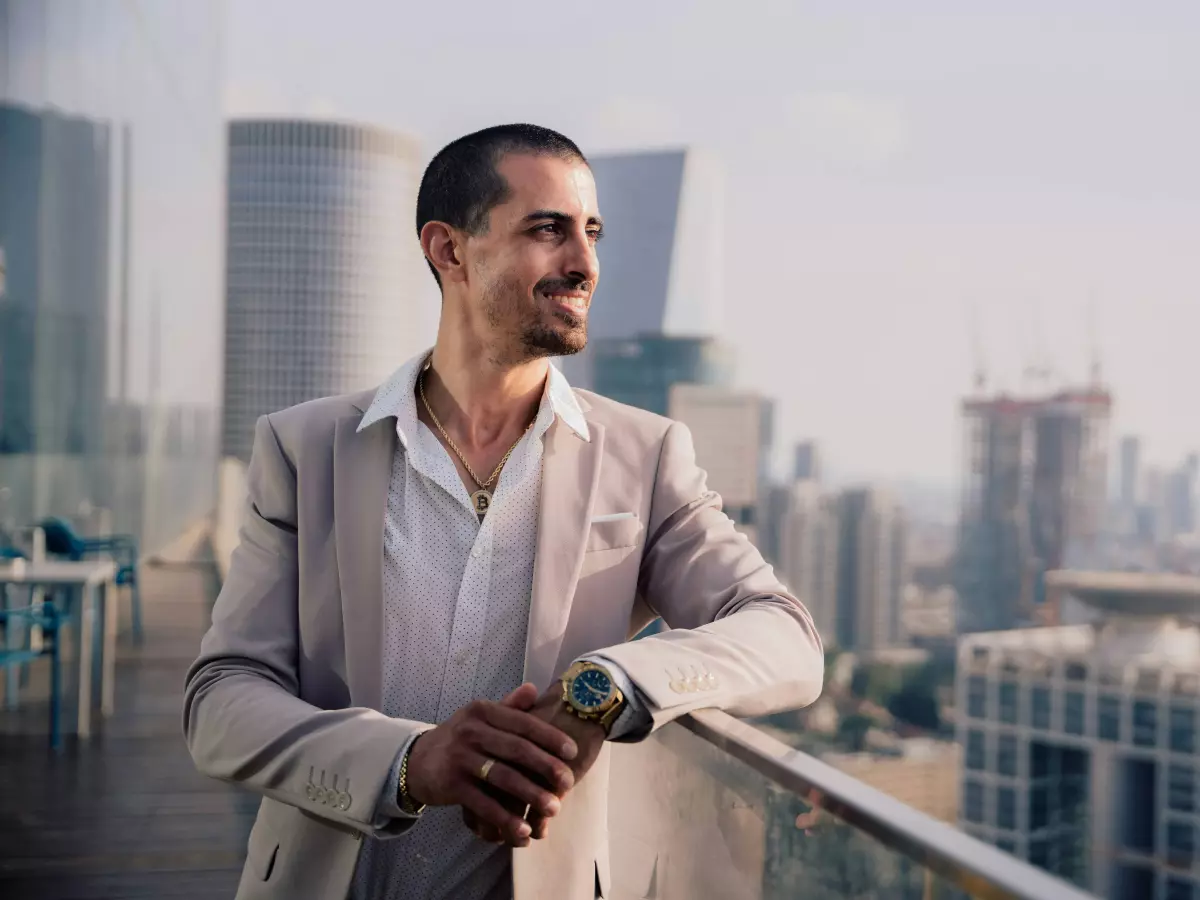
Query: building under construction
(1034, 494)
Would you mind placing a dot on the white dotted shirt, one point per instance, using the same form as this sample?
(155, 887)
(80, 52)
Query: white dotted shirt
(456, 606)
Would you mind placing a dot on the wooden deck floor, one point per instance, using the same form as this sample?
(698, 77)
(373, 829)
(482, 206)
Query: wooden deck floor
(126, 814)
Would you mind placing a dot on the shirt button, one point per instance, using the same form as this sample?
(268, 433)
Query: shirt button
(476, 552)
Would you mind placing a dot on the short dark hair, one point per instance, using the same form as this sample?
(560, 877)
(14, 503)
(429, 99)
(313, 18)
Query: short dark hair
(461, 185)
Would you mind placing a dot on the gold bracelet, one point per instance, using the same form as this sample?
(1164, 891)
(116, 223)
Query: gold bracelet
(410, 806)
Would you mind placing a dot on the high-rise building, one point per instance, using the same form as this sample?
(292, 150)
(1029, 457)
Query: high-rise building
(56, 176)
(1130, 456)
(641, 370)
(1033, 497)
(732, 432)
(661, 272)
(808, 552)
(1180, 501)
(872, 571)
(1080, 742)
(111, 134)
(806, 463)
(325, 279)
(656, 311)
(777, 501)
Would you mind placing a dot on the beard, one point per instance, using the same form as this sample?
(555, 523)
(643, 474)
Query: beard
(527, 331)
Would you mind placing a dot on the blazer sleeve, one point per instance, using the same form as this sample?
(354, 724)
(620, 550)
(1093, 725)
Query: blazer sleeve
(243, 719)
(738, 641)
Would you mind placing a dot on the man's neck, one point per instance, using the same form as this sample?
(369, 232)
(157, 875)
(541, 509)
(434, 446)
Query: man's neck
(480, 401)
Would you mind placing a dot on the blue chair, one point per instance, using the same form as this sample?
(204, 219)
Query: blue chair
(47, 616)
(61, 540)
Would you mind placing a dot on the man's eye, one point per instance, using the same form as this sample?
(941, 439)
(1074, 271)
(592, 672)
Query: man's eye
(596, 234)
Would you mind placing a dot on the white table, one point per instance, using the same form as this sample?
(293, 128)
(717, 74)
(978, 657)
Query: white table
(96, 580)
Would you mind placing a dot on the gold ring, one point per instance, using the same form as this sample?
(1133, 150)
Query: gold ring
(485, 769)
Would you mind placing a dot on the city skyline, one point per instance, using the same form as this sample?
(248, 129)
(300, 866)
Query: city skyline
(1019, 175)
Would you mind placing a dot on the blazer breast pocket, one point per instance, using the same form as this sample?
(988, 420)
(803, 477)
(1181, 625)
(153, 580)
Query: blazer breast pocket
(613, 533)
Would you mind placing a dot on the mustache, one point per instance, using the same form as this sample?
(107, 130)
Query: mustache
(551, 285)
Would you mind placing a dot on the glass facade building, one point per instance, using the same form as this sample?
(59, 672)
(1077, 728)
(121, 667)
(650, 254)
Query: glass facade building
(325, 282)
(1080, 745)
(641, 370)
(111, 174)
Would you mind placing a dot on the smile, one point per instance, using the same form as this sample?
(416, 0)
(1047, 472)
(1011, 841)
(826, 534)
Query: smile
(576, 303)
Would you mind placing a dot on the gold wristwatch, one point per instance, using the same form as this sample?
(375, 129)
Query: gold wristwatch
(590, 693)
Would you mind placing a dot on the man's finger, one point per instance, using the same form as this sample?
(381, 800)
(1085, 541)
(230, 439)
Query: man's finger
(524, 755)
(507, 784)
(532, 729)
(539, 825)
(514, 830)
(481, 830)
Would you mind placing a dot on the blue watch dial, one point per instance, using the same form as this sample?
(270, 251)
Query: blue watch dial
(590, 689)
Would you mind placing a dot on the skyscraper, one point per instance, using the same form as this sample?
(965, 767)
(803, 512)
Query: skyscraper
(661, 271)
(806, 464)
(55, 184)
(1181, 501)
(1130, 471)
(1033, 494)
(641, 370)
(872, 571)
(324, 272)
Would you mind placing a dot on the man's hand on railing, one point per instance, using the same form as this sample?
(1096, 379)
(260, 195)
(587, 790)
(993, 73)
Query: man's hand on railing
(809, 820)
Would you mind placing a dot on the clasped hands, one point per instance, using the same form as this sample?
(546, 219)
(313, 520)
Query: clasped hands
(538, 749)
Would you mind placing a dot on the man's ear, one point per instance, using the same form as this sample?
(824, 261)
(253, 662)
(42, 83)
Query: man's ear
(441, 244)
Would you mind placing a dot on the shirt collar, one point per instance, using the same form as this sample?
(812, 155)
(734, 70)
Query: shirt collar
(396, 397)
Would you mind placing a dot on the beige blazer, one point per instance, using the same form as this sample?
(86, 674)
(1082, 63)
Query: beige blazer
(284, 696)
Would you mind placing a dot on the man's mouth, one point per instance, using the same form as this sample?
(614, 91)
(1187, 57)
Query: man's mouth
(574, 302)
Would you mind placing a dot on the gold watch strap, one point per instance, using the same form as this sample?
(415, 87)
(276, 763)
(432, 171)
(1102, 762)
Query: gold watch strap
(611, 715)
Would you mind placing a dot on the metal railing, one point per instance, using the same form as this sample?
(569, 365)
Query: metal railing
(979, 870)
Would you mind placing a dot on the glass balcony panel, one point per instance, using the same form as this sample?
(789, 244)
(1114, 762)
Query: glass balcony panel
(713, 807)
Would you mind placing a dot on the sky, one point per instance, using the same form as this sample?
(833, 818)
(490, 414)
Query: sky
(913, 192)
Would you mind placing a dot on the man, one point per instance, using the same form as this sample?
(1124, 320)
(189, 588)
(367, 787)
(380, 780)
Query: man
(436, 581)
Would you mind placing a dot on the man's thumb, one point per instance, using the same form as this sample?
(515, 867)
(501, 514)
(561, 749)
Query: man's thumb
(522, 698)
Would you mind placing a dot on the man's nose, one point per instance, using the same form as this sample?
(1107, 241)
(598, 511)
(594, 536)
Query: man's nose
(583, 264)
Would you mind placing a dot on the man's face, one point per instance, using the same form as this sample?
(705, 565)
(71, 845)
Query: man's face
(534, 270)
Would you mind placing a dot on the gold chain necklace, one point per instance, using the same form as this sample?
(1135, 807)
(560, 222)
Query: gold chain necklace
(481, 499)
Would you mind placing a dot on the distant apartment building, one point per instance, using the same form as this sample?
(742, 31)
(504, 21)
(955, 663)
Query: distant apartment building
(846, 555)
(872, 571)
(324, 275)
(1180, 500)
(1129, 476)
(808, 530)
(1080, 742)
(1034, 496)
(732, 433)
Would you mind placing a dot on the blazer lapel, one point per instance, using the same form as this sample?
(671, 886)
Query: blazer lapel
(570, 473)
(362, 463)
